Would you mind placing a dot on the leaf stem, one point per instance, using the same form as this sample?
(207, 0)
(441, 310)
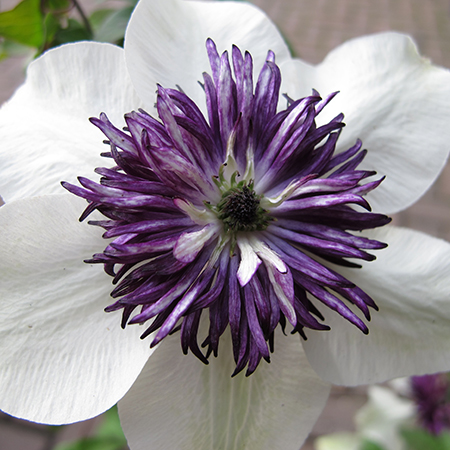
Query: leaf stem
(84, 18)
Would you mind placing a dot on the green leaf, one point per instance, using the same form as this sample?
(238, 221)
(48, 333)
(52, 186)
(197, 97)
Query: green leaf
(419, 439)
(113, 27)
(370, 445)
(74, 31)
(111, 427)
(10, 48)
(109, 436)
(97, 18)
(51, 26)
(92, 444)
(3, 51)
(57, 6)
(23, 24)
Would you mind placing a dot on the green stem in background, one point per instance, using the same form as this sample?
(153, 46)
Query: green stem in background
(84, 18)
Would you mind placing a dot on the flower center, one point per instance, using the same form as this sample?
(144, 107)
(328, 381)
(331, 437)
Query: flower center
(239, 209)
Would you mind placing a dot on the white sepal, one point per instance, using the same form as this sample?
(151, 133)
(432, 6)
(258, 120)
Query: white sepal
(249, 260)
(190, 244)
(62, 358)
(179, 403)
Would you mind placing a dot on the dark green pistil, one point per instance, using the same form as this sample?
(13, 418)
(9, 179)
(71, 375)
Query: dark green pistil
(240, 209)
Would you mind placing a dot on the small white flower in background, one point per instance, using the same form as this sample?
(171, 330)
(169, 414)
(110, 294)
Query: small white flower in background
(244, 215)
(407, 411)
(379, 421)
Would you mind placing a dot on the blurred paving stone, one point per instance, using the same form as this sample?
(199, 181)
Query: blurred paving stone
(21, 435)
(15, 438)
(73, 432)
(338, 414)
(12, 74)
(345, 400)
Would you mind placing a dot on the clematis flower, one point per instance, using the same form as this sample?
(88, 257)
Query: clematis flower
(431, 394)
(231, 214)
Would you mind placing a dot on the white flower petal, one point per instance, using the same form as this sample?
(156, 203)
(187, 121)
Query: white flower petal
(177, 31)
(283, 287)
(189, 244)
(46, 134)
(63, 359)
(201, 216)
(410, 283)
(383, 417)
(267, 254)
(338, 441)
(249, 261)
(279, 276)
(179, 403)
(395, 101)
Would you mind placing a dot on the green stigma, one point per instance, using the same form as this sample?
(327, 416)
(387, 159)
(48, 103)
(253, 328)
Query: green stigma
(239, 208)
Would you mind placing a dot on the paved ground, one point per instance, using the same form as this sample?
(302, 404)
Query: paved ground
(313, 27)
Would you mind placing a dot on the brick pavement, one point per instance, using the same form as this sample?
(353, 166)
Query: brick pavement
(313, 28)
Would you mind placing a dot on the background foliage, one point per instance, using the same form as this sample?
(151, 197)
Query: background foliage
(34, 26)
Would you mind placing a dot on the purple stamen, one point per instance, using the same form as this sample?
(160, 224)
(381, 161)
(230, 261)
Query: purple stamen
(234, 214)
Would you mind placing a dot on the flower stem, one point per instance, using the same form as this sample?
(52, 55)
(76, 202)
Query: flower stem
(84, 18)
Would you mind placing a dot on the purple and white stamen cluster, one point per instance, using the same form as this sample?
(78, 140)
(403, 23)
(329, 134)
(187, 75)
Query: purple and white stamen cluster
(431, 395)
(231, 216)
